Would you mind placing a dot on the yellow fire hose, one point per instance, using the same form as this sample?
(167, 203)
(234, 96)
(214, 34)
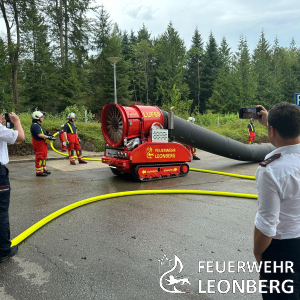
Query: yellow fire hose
(223, 173)
(65, 154)
(21, 237)
(63, 210)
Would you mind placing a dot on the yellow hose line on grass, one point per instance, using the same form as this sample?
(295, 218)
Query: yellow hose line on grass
(21, 237)
(223, 173)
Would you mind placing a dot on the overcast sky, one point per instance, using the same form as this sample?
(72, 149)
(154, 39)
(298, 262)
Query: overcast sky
(228, 18)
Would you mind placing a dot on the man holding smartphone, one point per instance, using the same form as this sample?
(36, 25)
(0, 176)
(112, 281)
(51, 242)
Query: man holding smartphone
(7, 136)
(277, 222)
(251, 131)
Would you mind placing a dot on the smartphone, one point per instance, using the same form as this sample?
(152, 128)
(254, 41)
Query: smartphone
(249, 112)
(9, 124)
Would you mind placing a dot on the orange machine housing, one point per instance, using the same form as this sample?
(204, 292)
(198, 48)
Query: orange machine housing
(130, 148)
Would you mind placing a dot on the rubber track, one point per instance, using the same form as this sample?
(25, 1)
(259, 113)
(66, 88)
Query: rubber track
(137, 177)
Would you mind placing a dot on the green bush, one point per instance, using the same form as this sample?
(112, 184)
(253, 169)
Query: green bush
(233, 127)
(90, 132)
(79, 112)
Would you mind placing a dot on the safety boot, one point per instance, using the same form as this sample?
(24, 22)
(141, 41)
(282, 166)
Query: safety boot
(196, 158)
(13, 252)
(82, 162)
(42, 174)
(73, 163)
(47, 172)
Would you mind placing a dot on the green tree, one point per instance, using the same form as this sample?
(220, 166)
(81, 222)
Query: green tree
(211, 66)
(101, 72)
(143, 52)
(70, 26)
(126, 47)
(102, 27)
(133, 38)
(180, 107)
(5, 82)
(261, 61)
(194, 68)
(143, 34)
(170, 60)
(224, 97)
(37, 86)
(244, 77)
(291, 72)
(278, 67)
(11, 10)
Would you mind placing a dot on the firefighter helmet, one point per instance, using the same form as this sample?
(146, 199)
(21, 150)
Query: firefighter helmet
(71, 116)
(36, 115)
(191, 119)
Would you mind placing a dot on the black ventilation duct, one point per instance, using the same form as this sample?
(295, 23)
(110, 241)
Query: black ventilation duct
(196, 136)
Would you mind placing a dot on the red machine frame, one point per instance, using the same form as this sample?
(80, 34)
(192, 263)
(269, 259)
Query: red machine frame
(137, 144)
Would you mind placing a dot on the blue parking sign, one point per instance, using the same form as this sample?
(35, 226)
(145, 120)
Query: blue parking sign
(297, 99)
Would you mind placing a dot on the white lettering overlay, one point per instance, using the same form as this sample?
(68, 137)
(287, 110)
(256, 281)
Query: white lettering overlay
(224, 286)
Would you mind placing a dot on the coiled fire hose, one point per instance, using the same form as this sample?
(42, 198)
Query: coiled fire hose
(21, 237)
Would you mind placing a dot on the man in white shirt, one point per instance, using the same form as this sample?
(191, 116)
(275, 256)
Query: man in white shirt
(7, 136)
(277, 222)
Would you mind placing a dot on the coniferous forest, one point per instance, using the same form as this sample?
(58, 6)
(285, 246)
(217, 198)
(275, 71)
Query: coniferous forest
(54, 55)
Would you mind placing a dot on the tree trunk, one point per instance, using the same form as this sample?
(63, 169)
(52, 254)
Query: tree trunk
(60, 28)
(15, 65)
(66, 31)
(13, 49)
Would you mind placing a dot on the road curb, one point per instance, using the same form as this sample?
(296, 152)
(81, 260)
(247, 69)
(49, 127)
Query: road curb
(32, 159)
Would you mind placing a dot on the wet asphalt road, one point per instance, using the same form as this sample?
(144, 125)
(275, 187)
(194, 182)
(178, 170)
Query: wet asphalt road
(111, 249)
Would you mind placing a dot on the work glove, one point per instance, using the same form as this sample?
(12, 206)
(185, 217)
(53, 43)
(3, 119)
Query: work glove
(51, 138)
(67, 143)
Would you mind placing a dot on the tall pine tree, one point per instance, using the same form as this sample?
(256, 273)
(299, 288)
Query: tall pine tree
(244, 77)
(211, 66)
(194, 69)
(261, 61)
(170, 59)
(224, 96)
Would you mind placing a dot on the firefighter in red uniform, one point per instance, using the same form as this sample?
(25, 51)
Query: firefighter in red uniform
(39, 136)
(72, 141)
(251, 131)
(62, 139)
(192, 149)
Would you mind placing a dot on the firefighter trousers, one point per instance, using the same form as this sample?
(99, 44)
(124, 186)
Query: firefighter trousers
(41, 150)
(74, 145)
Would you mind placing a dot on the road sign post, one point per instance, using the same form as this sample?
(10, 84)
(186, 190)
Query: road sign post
(297, 99)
